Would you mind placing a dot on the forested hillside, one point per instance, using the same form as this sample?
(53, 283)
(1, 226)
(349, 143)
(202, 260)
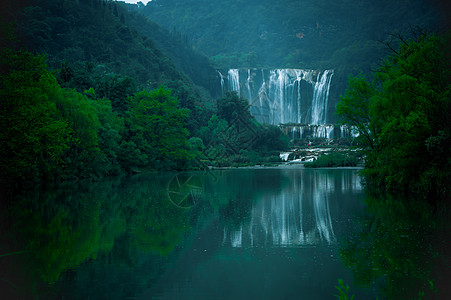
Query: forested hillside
(98, 37)
(86, 95)
(176, 46)
(76, 112)
(291, 33)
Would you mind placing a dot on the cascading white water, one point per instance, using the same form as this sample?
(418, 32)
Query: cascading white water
(316, 131)
(282, 96)
(323, 131)
(284, 156)
(222, 82)
(298, 82)
(284, 92)
(261, 108)
(321, 97)
(343, 130)
(347, 131)
(234, 80)
(248, 85)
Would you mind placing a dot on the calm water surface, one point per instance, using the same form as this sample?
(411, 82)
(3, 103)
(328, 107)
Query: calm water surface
(234, 234)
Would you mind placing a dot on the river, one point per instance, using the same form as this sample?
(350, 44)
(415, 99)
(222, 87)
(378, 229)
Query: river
(265, 233)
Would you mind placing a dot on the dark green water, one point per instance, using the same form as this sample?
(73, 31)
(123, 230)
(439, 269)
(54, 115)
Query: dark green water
(235, 234)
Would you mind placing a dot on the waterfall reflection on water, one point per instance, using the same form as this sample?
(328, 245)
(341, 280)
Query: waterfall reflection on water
(299, 215)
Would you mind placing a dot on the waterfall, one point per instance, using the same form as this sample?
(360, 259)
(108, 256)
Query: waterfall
(347, 131)
(222, 83)
(343, 132)
(281, 96)
(316, 131)
(248, 85)
(284, 92)
(234, 80)
(298, 88)
(301, 132)
(261, 111)
(320, 98)
(323, 131)
(284, 156)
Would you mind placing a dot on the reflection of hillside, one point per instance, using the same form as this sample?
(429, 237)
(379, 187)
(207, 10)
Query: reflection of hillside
(62, 229)
(299, 215)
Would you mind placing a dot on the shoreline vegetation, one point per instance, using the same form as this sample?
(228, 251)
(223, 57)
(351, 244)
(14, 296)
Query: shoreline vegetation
(402, 117)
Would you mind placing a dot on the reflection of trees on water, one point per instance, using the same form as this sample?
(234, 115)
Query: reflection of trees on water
(298, 215)
(402, 246)
(61, 229)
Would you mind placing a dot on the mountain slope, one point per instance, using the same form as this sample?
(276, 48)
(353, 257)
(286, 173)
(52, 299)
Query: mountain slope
(291, 33)
(93, 44)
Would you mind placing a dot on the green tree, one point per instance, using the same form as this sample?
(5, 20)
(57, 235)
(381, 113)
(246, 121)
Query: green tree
(84, 157)
(354, 109)
(117, 88)
(232, 107)
(403, 117)
(33, 136)
(160, 123)
(271, 138)
(209, 133)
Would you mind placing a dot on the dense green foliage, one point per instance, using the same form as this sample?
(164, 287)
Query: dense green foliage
(92, 46)
(34, 135)
(157, 128)
(403, 119)
(93, 31)
(49, 132)
(333, 159)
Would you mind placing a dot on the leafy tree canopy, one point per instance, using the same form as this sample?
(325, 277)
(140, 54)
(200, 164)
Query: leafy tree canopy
(157, 115)
(33, 136)
(403, 118)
